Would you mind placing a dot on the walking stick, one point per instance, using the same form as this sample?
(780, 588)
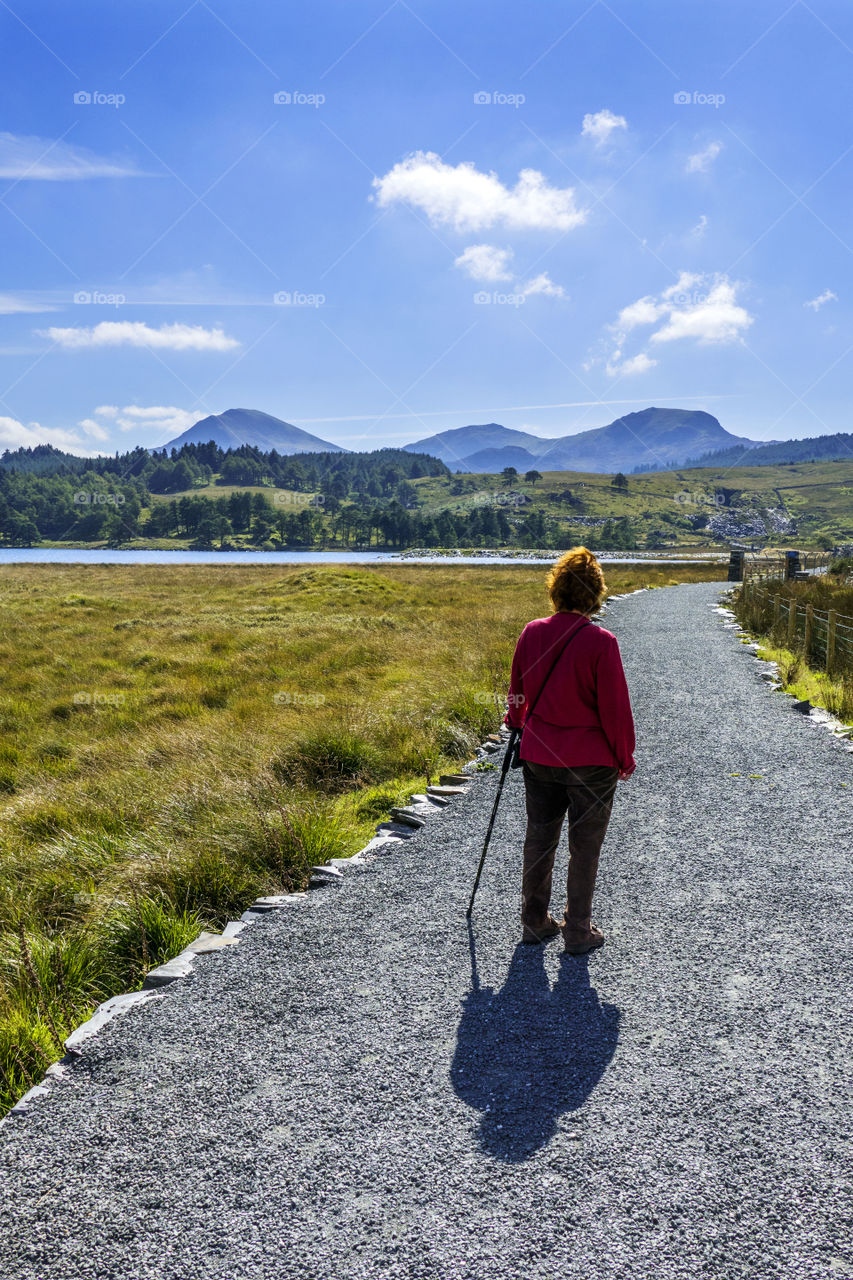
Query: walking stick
(514, 734)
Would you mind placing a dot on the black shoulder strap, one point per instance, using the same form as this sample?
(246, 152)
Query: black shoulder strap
(551, 669)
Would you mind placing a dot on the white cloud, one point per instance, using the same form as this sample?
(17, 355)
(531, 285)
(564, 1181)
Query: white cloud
(701, 227)
(701, 161)
(107, 411)
(821, 299)
(701, 307)
(617, 367)
(45, 160)
(643, 311)
(129, 333)
(715, 317)
(545, 285)
(165, 421)
(17, 435)
(600, 125)
(485, 262)
(687, 288)
(93, 429)
(468, 200)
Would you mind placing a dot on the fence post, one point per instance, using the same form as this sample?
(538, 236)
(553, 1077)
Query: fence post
(807, 633)
(792, 623)
(830, 639)
(777, 611)
(736, 566)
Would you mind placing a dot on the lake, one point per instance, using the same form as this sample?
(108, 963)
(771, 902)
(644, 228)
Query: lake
(55, 555)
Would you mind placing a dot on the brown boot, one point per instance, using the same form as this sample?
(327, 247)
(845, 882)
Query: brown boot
(581, 936)
(542, 932)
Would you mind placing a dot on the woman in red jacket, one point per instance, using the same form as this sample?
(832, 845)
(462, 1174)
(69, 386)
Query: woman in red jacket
(576, 745)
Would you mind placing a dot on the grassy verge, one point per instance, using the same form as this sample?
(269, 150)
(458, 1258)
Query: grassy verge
(175, 741)
(798, 671)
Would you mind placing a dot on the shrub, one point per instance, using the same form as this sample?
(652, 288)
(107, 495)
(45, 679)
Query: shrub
(329, 759)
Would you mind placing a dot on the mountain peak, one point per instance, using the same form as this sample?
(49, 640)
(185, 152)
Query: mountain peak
(237, 427)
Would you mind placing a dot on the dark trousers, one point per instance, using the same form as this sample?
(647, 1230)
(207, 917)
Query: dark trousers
(585, 793)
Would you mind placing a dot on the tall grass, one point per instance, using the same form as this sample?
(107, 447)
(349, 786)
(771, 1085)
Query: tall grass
(798, 671)
(176, 741)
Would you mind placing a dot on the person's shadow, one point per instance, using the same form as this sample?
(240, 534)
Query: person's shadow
(529, 1052)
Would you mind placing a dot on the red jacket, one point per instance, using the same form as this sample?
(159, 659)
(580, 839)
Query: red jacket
(584, 713)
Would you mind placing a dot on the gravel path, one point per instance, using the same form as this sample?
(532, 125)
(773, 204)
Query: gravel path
(336, 1097)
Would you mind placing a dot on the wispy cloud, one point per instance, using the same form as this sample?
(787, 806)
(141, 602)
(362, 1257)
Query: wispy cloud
(545, 285)
(130, 333)
(701, 161)
(41, 159)
(600, 124)
(164, 421)
(485, 262)
(821, 300)
(16, 304)
(462, 197)
(617, 367)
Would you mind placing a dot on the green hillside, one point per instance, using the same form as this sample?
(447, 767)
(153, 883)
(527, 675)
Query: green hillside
(806, 503)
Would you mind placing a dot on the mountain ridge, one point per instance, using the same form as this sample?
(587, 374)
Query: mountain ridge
(652, 435)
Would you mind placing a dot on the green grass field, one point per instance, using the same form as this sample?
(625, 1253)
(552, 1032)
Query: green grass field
(176, 740)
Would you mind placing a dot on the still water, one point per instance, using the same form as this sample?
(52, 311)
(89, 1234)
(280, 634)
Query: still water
(53, 555)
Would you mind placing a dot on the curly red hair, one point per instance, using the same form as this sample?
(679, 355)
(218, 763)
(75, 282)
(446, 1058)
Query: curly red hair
(577, 582)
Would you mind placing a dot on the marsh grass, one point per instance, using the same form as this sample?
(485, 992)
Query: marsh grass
(176, 741)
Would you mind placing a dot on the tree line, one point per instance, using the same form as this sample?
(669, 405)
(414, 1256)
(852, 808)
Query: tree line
(314, 500)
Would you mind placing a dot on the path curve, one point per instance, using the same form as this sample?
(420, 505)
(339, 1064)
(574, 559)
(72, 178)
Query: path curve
(337, 1098)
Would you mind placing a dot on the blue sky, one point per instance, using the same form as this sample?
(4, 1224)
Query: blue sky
(379, 221)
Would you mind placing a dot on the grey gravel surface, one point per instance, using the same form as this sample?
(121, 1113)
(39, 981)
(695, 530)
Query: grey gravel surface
(339, 1097)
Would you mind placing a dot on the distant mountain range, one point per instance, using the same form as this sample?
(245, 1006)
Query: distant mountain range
(236, 427)
(652, 439)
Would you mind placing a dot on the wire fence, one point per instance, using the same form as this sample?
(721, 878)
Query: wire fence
(823, 636)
